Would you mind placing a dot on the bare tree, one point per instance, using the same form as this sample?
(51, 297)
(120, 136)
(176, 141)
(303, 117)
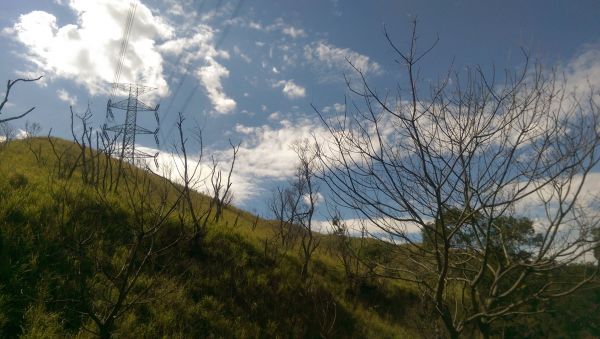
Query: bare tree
(118, 250)
(294, 206)
(7, 134)
(9, 86)
(84, 142)
(117, 255)
(191, 178)
(32, 130)
(456, 159)
(308, 190)
(284, 205)
(190, 174)
(350, 248)
(221, 191)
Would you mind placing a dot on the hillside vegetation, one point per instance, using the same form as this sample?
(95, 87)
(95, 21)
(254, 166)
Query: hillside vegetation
(229, 285)
(80, 260)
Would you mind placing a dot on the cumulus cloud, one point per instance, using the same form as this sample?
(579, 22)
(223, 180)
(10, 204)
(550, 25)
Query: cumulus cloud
(331, 61)
(200, 48)
(265, 154)
(291, 89)
(266, 151)
(170, 165)
(86, 51)
(66, 97)
(211, 76)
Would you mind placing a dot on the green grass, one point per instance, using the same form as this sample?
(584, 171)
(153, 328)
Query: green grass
(231, 284)
(231, 287)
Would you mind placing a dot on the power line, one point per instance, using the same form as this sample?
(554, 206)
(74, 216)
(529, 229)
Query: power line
(181, 81)
(124, 45)
(132, 105)
(226, 31)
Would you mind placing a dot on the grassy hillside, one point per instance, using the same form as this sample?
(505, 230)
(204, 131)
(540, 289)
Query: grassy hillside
(66, 247)
(232, 285)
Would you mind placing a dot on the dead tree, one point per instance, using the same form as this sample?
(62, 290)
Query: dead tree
(308, 189)
(9, 86)
(284, 205)
(457, 159)
(221, 191)
(294, 206)
(87, 156)
(349, 249)
(117, 254)
(191, 178)
(7, 134)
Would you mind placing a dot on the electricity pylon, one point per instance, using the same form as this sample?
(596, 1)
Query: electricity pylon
(130, 129)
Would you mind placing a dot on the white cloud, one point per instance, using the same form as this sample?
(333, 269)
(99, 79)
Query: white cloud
(210, 76)
(275, 116)
(339, 107)
(266, 151)
(199, 47)
(170, 165)
(318, 198)
(86, 51)
(293, 32)
(66, 97)
(534, 205)
(331, 61)
(374, 228)
(278, 25)
(291, 89)
(21, 134)
(583, 71)
(241, 54)
(255, 25)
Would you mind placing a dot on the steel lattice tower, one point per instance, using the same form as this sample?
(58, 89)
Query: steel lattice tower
(130, 129)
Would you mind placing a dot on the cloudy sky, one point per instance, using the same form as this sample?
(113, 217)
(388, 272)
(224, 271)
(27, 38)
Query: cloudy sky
(248, 70)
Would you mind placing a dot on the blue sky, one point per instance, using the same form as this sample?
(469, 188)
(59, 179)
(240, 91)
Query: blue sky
(249, 70)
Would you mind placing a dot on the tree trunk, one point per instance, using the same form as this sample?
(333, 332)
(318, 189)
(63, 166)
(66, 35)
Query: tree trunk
(304, 272)
(105, 331)
(452, 331)
(484, 328)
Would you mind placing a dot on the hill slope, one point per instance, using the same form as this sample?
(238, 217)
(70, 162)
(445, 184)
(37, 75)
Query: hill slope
(64, 242)
(81, 256)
